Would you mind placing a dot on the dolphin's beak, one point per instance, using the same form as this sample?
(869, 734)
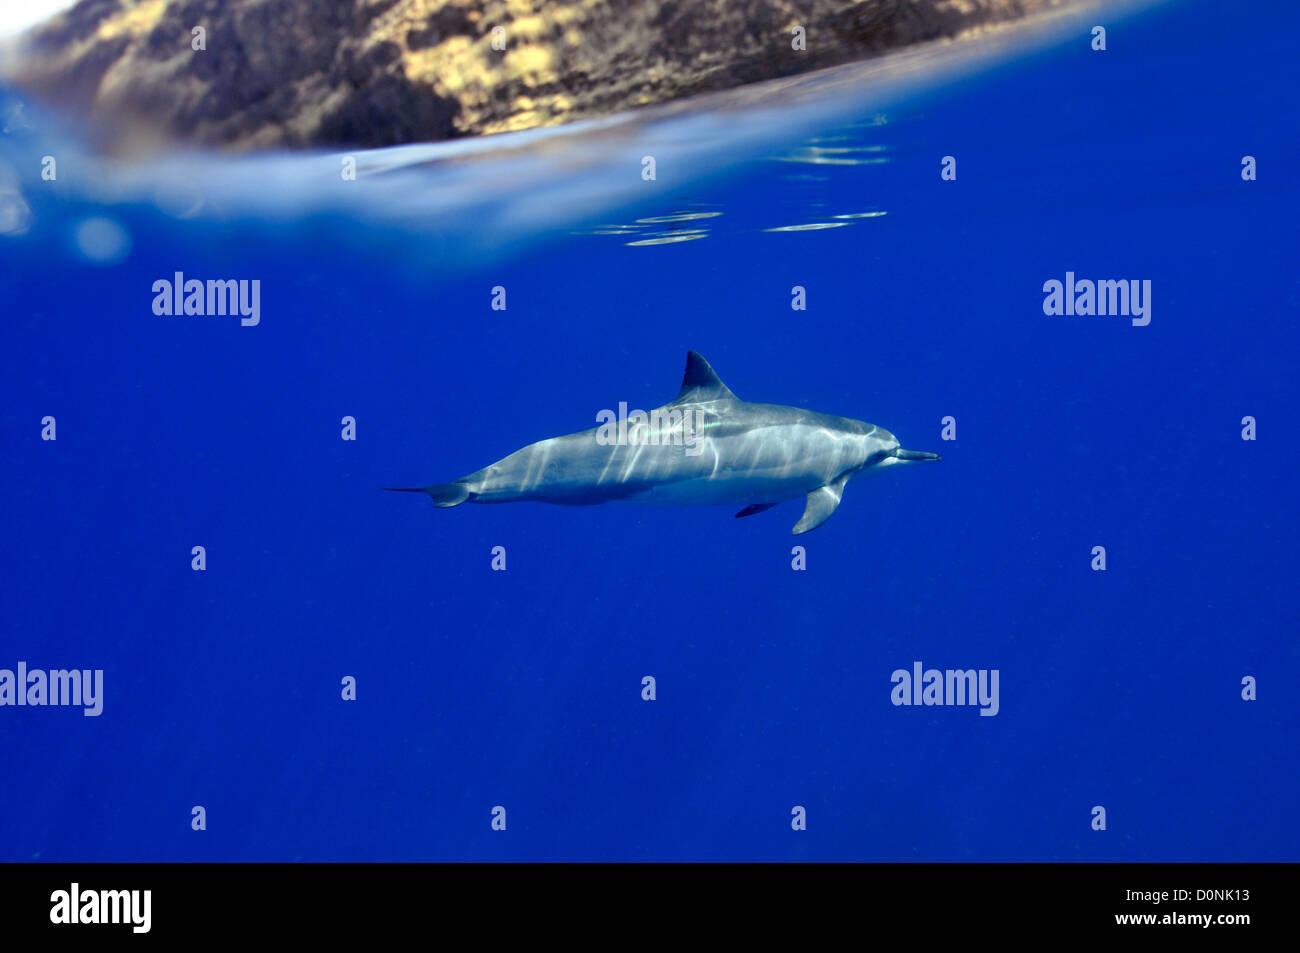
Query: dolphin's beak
(915, 454)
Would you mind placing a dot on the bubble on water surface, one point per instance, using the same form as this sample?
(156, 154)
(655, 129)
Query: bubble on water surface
(102, 241)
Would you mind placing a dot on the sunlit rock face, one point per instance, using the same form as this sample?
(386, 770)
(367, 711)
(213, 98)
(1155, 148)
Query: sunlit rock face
(250, 74)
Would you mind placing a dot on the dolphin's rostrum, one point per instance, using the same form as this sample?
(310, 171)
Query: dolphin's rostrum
(706, 447)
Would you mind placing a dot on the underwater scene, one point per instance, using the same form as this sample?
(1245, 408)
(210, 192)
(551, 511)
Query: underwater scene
(1052, 284)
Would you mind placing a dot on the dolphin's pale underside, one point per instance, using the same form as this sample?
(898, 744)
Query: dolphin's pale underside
(706, 447)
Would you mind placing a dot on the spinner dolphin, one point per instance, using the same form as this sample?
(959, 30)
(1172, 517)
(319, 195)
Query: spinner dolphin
(705, 447)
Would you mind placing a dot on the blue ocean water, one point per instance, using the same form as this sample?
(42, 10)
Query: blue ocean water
(523, 689)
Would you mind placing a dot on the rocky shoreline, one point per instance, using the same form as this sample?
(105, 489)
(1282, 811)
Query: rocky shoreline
(259, 74)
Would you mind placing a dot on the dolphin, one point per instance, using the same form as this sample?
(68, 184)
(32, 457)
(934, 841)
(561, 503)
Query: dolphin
(705, 447)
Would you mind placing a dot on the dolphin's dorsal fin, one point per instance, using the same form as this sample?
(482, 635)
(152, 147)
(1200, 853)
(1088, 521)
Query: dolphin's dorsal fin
(821, 504)
(701, 382)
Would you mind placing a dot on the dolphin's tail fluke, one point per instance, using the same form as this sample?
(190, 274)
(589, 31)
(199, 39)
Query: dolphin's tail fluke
(443, 494)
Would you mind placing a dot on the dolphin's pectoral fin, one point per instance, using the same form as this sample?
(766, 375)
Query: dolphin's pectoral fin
(821, 504)
(755, 508)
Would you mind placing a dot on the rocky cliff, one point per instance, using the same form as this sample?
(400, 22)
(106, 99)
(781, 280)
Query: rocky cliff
(248, 74)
